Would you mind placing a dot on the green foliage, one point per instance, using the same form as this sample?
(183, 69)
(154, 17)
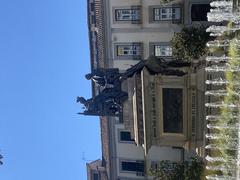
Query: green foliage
(190, 43)
(226, 115)
(187, 170)
(228, 136)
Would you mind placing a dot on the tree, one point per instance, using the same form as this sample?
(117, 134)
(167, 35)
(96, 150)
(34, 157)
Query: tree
(187, 170)
(190, 43)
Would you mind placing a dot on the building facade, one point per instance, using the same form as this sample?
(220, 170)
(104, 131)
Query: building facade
(121, 34)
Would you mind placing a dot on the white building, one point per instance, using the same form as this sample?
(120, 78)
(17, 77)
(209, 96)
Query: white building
(122, 33)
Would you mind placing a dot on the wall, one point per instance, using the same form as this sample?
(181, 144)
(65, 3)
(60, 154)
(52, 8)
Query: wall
(126, 151)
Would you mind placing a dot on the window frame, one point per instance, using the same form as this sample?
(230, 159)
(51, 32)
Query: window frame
(120, 140)
(134, 14)
(138, 173)
(168, 17)
(152, 49)
(95, 173)
(131, 56)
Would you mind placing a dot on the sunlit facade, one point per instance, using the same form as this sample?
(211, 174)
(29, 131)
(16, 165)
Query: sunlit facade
(123, 33)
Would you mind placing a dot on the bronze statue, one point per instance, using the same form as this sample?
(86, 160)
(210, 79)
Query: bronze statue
(102, 77)
(108, 102)
(157, 65)
(110, 99)
(99, 80)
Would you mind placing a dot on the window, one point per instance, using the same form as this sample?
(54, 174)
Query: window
(93, 17)
(128, 50)
(125, 136)
(172, 110)
(154, 165)
(133, 166)
(199, 12)
(127, 14)
(162, 50)
(95, 176)
(166, 13)
(92, 6)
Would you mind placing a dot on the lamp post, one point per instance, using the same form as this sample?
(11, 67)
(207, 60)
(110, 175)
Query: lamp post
(1, 159)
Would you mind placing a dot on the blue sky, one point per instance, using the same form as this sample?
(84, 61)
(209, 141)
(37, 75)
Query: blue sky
(44, 56)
